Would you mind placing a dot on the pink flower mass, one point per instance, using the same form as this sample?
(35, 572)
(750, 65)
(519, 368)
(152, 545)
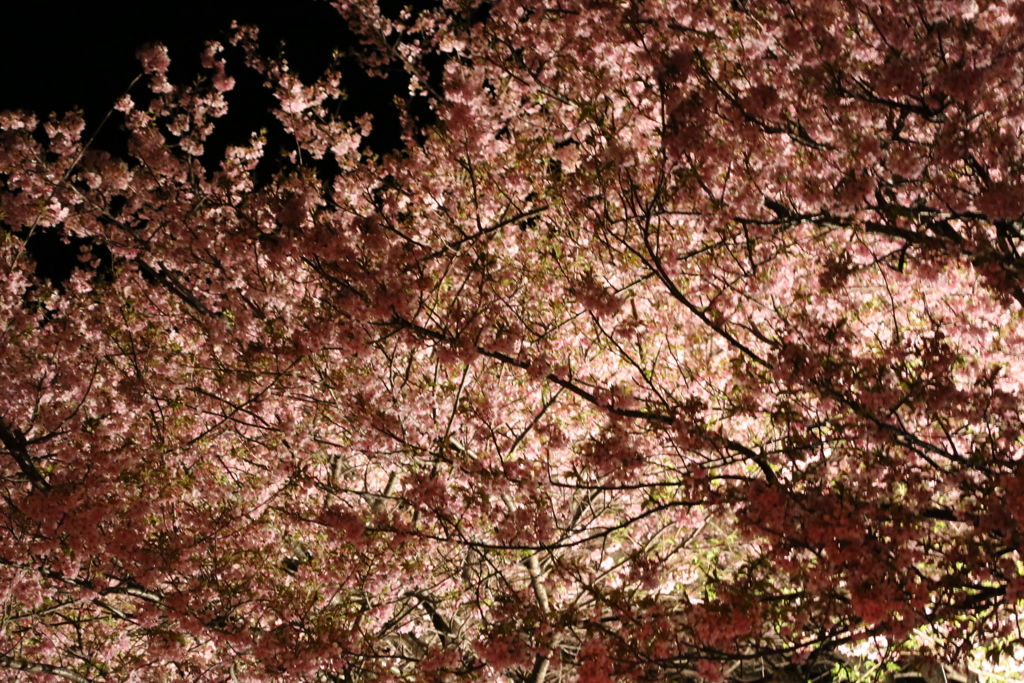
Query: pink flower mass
(684, 343)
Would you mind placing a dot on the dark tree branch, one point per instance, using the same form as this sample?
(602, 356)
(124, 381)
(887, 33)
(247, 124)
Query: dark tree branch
(17, 446)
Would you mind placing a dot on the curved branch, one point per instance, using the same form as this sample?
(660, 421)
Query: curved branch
(37, 668)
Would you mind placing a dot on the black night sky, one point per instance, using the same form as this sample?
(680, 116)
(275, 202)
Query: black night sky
(59, 56)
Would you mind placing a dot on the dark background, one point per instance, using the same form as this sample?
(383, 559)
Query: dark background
(65, 55)
(55, 57)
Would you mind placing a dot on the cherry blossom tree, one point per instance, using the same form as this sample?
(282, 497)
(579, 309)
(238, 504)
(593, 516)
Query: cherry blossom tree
(686, 344)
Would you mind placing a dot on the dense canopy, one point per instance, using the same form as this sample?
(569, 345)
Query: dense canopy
(685, 342)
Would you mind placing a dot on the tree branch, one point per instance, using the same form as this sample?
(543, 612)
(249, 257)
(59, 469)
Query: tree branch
(15, 443)
(173, 286)
(37, 668)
